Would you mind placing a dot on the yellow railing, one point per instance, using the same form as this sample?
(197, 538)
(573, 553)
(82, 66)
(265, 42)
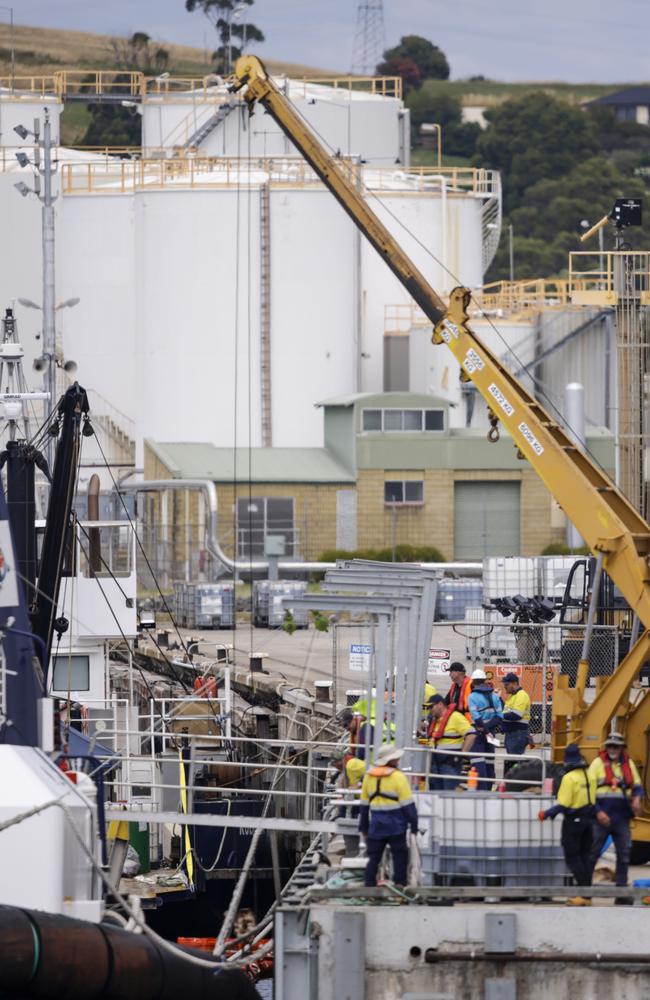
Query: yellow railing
(19, 86)
(509, 299)
(98, 83)
(129, 83)
(518, 297)
(604, 278)
(113, 175)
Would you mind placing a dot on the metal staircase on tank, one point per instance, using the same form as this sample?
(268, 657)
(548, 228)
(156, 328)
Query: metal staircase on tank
(204, 130)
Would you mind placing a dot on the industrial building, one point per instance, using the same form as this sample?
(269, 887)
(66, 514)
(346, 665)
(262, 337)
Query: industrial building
(392, 471)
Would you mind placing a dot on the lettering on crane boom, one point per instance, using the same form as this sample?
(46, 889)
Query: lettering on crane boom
(501, 400)
(448, 330)
(532, 440)
(473, 363)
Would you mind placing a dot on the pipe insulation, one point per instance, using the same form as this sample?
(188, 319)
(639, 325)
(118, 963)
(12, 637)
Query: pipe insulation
(209, 490)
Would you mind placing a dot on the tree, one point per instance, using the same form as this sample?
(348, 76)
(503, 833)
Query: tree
(406, 68)
(432, 104)
(533, 138)
(221, 13)
(546, 224)
(139, 54)
(429, 59)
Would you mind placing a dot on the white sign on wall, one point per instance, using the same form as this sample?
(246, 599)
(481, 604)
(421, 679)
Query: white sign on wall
(360, 654)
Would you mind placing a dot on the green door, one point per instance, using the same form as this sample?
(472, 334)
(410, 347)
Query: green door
(486, 519)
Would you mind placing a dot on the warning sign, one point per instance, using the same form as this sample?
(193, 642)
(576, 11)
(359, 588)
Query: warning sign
(536, 679)
(360, 654)
(439, 661)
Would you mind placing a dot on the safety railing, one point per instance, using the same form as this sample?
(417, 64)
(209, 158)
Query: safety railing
(98, 83)
(604, 278)
(512, 299)
(134, 84)
(18, 87)
(189, 171)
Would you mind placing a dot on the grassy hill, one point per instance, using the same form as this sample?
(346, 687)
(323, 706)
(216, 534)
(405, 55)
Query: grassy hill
(43, 51)
(492, 92)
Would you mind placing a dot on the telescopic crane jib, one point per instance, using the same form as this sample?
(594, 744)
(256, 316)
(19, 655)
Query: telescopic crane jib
(606, 520)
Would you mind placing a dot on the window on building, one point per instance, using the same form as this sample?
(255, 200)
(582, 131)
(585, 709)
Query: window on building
(409, 421)
(262, 516)
(404, 491)
(71, 673)
(372, 420)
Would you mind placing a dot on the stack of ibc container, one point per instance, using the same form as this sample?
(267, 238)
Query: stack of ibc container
(455, 596)
(204, 605)
(269, 609)
(485, 839)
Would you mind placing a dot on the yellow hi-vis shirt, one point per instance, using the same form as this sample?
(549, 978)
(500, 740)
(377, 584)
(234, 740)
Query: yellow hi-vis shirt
(519, 704)
(597, 775)
(456, 730)
(354, 771)
(576, 789)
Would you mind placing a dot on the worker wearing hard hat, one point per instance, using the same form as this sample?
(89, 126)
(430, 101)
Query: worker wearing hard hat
(486, 709)
(450, 734)
(619, 796)
(516, 718)
(575, 800)
(387, 812)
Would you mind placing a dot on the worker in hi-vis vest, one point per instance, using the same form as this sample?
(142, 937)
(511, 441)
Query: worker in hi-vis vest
(387, 812)
(451, 735)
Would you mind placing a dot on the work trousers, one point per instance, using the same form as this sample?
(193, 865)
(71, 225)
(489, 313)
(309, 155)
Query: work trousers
(485, 764)
(399, 853)
(516, 742)
(577, 837)
(447, 772)
(619, 829)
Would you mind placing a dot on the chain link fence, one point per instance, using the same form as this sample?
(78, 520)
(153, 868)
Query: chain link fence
(537, 653)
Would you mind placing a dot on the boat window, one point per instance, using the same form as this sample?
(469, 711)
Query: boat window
(71, 673)
(106, 551)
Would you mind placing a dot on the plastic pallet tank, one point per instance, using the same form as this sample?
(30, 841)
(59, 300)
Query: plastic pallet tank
(483, 838)
(454, 597)
(268, 607)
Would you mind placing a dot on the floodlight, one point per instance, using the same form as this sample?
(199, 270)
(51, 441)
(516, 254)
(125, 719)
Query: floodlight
(23, 159)
(22, 188)
(21, 131)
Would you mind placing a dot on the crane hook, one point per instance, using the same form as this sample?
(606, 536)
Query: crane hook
(493, 434)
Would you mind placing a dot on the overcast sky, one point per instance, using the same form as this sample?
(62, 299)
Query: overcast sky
(573, 40)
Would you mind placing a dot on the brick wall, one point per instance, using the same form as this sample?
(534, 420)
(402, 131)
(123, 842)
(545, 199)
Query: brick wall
(378, 525)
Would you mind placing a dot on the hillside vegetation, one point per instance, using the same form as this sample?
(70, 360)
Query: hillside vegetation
(45, 50)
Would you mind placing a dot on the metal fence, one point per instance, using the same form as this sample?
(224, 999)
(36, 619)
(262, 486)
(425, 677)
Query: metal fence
(537, 653)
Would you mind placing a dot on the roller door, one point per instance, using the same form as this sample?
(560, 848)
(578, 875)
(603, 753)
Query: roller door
(486, 519)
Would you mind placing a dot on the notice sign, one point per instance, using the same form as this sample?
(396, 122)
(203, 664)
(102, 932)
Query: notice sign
(439, 661)
(360, 654)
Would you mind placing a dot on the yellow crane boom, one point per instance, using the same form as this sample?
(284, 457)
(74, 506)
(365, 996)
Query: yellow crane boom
(604, 517)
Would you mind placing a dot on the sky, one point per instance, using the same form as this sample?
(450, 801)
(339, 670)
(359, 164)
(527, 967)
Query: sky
(580, 41)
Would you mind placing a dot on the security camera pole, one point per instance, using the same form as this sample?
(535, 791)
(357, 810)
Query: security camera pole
(49, 313)
(43, 168)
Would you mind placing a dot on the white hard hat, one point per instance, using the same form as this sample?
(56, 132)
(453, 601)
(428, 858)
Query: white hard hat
(387, 753)
(479, 675)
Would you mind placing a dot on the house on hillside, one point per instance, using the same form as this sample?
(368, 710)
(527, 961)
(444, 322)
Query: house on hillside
(629, 105)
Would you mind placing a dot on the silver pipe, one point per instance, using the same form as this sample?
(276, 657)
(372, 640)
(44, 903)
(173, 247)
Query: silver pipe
(214, 546)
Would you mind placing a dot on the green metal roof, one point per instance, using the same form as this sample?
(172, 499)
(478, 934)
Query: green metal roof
(190, 460)
(387, 400)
